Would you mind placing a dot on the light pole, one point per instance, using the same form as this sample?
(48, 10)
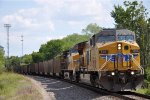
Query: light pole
(22, 46)
(7, 26)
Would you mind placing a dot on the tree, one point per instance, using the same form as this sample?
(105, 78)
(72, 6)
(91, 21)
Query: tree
(133, 16)
(37, 57)
(73, 39)
(91, 29)
(51, 49)
(27, 59)
(14, 62)
(130, 16)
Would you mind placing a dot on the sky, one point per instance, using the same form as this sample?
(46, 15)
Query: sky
(42, 20)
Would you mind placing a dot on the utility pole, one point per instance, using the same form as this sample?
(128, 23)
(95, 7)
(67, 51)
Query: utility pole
(22, 46)
(22, 43)
(7, 26)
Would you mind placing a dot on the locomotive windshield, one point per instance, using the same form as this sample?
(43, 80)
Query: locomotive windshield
(125, 37)
(109, 38)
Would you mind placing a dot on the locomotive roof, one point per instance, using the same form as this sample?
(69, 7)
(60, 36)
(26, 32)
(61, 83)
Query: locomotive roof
(79, 45)
(106, 32)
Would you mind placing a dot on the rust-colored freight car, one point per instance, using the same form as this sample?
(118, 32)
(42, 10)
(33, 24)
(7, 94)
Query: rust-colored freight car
(29, 69)
(41, 68)
(36, 68)
(50, 66)
(32, 67)
(45, 63)
(21, 69)
(25, 69)
(57, 65)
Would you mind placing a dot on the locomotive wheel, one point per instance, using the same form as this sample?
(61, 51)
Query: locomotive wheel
(71, 76)
(62, 75)
(94, 80)
(77, 77)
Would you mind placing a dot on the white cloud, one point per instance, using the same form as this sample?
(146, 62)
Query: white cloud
(50, 18)
(88, 10)
(74, 7)
(51, 6)
(18, 20)
(85, 7)
(28, 19)
(29, 12)
(76, 23)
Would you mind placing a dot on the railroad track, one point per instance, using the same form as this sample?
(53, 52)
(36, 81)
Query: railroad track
(98, 90)
(124, 95)
(134, 95)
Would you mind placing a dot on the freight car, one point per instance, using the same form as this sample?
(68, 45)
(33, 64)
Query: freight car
(109, 60)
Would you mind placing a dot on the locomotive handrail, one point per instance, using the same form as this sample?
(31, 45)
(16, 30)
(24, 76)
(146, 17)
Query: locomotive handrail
(142, 70)
(104, 64)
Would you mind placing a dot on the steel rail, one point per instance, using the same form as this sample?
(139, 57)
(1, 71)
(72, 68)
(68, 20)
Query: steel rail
(134, 94)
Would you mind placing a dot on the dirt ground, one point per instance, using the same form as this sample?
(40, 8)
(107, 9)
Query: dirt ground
(39, 87)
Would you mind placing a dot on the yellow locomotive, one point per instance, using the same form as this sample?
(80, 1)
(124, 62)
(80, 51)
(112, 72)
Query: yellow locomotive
(112, 60)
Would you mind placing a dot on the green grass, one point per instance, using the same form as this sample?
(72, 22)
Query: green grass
(17, 87)
(145, 90)
(142, 91)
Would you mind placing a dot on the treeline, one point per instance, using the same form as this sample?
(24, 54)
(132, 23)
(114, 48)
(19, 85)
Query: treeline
(54, 47)
(47, 51)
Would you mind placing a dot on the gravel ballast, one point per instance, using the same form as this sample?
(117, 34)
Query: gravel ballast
(59, 90)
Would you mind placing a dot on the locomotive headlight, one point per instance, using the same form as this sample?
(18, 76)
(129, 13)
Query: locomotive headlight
(132, 73)
(119, 46)
(112, 73)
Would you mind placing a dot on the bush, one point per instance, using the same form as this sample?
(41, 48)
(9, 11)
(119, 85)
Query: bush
(147, 70)
(2, 61)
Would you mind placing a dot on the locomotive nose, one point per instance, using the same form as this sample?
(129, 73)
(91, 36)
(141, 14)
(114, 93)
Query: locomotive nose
(123, 56)
(120, 55)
